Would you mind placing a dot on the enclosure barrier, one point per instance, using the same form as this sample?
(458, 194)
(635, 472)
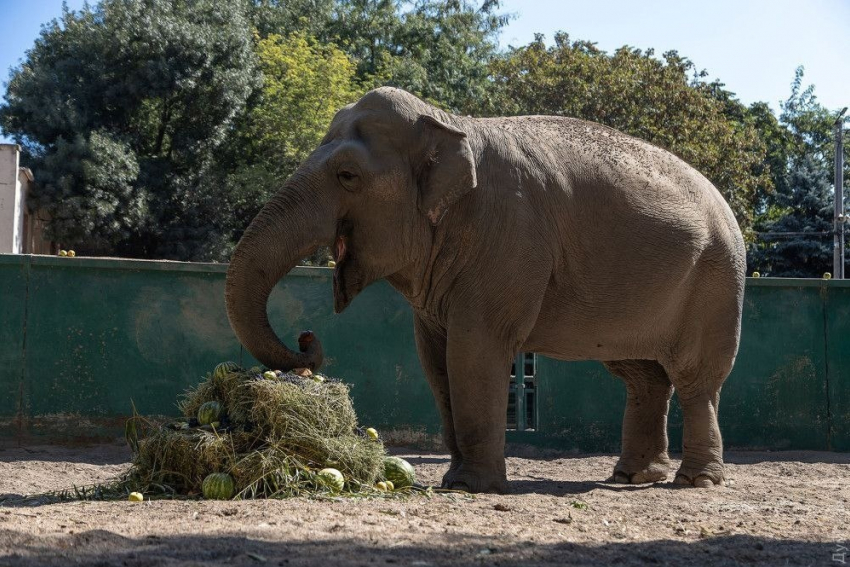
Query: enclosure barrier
(82, 339)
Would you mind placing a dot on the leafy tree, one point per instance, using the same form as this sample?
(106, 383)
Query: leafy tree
(801, 152)
(283, 17)
(152, 87)
(437, 49)
(304, 84)
(806, 219)
(662, 101)
(442, 51)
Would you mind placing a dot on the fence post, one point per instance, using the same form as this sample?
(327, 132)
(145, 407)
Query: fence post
(838, 240)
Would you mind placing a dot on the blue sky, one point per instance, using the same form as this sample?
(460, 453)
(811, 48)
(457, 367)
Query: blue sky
(751, 45)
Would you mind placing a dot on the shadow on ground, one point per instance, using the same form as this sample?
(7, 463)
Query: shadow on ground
(106, 548)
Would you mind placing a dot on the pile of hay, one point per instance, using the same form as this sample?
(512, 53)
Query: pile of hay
(277, 431)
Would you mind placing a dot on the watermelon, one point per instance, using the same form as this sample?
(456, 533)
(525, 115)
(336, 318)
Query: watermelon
(209, 412)
(399, 472)
(332, 478)
(218, 486)
(224, 369)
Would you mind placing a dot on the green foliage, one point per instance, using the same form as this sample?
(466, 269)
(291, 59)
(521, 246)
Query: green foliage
(439, 50)
(794, 224)
(806, 217)
(304, 84)
(110, 209)
(662, 101)
(121, 108)
(159, 128)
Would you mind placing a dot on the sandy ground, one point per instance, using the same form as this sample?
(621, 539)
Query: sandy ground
(780, 509)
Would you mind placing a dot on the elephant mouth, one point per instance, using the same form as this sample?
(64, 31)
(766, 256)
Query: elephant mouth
(341, 255)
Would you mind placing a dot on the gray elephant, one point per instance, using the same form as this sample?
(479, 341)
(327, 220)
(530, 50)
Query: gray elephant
(534, 233)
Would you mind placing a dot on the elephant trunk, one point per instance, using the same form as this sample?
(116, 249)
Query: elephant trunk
(288, 228)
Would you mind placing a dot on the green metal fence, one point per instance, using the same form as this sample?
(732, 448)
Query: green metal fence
(80, 338)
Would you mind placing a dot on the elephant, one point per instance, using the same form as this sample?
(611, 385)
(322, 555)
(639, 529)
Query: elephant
(540, 234)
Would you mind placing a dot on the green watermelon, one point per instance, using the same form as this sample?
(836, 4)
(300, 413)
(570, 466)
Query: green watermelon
(218, 486)
(399, 472)
(209, 412)
(332, 478)
(224, 369)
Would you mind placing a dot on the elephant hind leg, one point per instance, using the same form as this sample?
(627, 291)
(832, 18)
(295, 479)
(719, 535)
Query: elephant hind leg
(644, 456)
(698, 386)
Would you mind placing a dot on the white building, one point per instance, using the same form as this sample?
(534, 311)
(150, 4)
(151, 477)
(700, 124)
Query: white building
(21, 231)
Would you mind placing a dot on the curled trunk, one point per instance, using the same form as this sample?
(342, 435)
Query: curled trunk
(288, 228)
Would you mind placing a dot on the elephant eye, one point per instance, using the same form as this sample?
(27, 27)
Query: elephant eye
(348, 179)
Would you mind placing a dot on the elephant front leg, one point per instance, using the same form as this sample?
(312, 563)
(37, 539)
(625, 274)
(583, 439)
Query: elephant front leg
(431, 346)
(479, 374)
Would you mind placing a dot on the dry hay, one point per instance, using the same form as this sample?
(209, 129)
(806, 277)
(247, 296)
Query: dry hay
(273, 438)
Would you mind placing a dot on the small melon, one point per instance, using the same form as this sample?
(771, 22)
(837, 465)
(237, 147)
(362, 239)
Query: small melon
(224, 369)
(332, 478)
(218, 486)
(209, 412)
(372, 433)
(399, 472)
(136, 497)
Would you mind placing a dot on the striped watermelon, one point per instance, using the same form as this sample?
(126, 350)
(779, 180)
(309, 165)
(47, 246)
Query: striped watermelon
(225, 368)
(399, 472)
(218, 486)
(209, 412)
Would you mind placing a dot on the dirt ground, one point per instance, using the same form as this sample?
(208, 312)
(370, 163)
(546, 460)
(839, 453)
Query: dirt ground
(780, 509)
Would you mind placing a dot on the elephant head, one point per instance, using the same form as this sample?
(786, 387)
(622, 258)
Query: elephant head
(385, 173)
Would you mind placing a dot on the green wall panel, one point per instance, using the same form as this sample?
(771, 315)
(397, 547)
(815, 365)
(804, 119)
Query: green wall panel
(580, 405)
(837, 326)
(80, 338)
(776, 396)
(111, 334)
(13, 301)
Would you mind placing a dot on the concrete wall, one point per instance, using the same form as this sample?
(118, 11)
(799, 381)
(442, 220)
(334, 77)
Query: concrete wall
(80, 338)
(11, 201)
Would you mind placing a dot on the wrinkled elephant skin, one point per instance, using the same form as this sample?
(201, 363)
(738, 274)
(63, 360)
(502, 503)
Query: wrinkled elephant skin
(542, 234)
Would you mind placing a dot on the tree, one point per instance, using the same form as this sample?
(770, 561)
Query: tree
(304, 84)
(662, 101)
(120, 109)
(806, 219)
(801, 153)
(436, 49)
(441, 52)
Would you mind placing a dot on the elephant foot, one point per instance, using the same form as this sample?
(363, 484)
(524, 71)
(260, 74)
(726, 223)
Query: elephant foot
(627, 471)
(471, 479)
(706, 477)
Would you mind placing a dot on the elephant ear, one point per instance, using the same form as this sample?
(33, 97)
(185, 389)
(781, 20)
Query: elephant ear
(447, 171)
